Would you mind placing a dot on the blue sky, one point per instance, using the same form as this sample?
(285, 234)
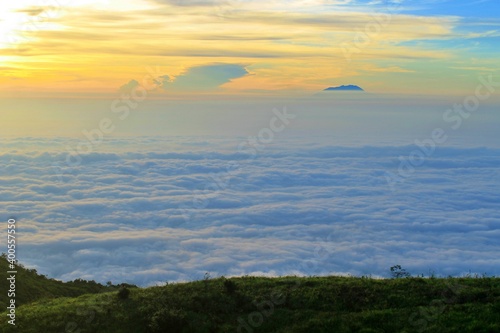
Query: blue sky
(479, 9)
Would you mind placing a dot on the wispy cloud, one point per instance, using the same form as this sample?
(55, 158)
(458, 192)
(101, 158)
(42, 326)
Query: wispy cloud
(282, 37)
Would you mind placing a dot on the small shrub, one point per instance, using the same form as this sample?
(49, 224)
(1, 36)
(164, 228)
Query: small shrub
(398, 272)
(123, 293)
(230, 286)
(168, 320)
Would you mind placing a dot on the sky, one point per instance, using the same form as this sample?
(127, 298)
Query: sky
(95, 47)
(147, 141)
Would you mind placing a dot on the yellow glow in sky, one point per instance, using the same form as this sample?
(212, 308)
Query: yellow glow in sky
(96, 46)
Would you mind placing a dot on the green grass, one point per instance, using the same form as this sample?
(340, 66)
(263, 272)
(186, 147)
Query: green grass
(282, 305)
(31, 286)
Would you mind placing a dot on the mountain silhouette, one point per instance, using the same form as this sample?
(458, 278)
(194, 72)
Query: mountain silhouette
(349, 87)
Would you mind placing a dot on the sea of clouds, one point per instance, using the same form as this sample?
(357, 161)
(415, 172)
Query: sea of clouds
(151, 209)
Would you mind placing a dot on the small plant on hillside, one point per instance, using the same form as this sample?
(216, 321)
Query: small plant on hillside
(230, 286)
(206, 280)
(123, 293)
(398, 272)
(168, 320)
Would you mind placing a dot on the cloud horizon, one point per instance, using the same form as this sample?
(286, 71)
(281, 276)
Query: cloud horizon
(146, 217)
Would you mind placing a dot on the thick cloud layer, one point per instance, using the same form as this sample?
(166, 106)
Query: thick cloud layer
(151, 210)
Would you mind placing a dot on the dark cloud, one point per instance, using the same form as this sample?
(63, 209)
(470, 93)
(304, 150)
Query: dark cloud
(128, 87)
(207, 77)
(204, 77)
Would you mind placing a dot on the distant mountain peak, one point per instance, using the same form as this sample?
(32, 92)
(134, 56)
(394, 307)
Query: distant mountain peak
(350, 87)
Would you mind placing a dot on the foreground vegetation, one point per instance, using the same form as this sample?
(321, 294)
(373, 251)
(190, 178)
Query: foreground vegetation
(285, 304)
(32, 286)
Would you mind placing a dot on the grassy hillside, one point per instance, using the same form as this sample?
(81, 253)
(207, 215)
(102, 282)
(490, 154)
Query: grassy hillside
(31, 286)
(282, 305)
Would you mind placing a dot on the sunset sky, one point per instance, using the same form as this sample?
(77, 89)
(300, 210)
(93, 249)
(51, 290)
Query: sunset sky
(74, 47)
